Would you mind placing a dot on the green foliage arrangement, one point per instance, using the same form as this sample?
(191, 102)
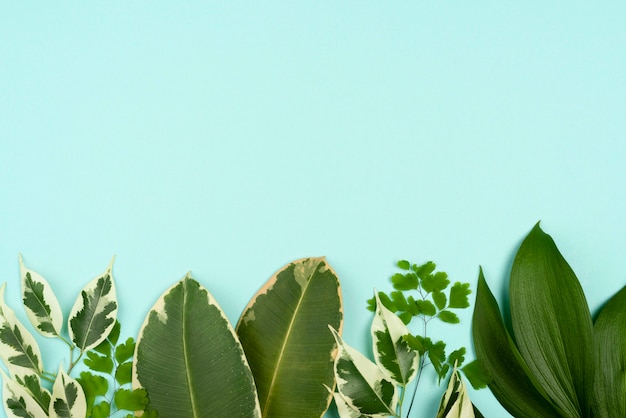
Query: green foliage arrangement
(556, 362)
(275, 364)
(91, 328)
(377, 389)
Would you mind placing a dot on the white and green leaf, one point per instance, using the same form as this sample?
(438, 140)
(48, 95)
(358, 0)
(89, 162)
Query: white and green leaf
(32, 384)
(455, 402)
(17, 401)
(68, 399)
(18, 348)
(392, 353)
(363, 386)
(189, 359)
(41, 305)
(343, 409)
(94, 312)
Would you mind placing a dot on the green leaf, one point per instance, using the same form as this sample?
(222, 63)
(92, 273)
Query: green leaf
(552, 324)
(18, 348)
(68, 399)
(93, 386)
(93, 314)
(408, 281)
(475, 375)
(284, 333)
(102, 410)
(440, 299)
(125, 351)
(361, 383)
(459, 295)
(344, 410)
(41, 304)
(135, 400)
(438, 281)
(457, 357)
(99, 363)
(392, 353)
(17, 401)
(511, 381)
(124, 372)
(610, 346)
(189, 360)
(403, 264)
(399, 301)
(455, 402)
(426, 307)
(448, 317)
(424, 270)
(437, 355)
(418, 343)
(33, 385)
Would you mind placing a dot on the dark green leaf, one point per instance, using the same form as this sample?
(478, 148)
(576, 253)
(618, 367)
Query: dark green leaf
(123, 374)
(448, 317)
(26, 357)
(475, 375)
(125, 351)
(610, 346)
(99, 363)
(440, 299)
(404, 265)
(135, 400)
(457, 357)
(418, 343)
(114, 335)
(385, 300)
(33, 385)
(458, 295)
(18, 408)
(437, 355)
(34, 301)
(552, 324)
(511, 381)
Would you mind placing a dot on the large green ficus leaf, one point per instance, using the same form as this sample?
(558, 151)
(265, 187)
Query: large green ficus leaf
(284, 333)
(189, 359)
(93, 315)
(552, 324)
(610, 346)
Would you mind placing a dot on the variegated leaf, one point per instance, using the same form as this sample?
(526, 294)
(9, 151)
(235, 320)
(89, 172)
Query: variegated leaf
(17, 401)
(344, 410)
(18, 348)
(68, 398)
(94, 312)
(392, 353)
(361, 383)
(41, 304)
(455, 402)
(32, 384)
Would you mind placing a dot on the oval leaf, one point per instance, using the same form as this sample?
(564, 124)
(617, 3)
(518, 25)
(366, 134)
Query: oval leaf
(41, 305)
(552, 324)
(68, 398)
(17, 401)
(95, 311)
(18, 348)
(361, 383)
(189, 360)
(610, 345)
(284, 333)
(512, 384)
(391, 351)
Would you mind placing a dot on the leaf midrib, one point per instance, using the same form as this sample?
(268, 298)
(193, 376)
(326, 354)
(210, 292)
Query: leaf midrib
(185, 355)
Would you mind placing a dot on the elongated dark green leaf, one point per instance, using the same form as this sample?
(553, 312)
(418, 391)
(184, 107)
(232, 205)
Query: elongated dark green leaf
(552, 324)
(392, 352)
(362, 385)
(189, 359)
(41, 304)
(68, 398)
(284, 333)
(94, 312)
(18, 348)
(610, 346)
(17, 401)
(511, 381)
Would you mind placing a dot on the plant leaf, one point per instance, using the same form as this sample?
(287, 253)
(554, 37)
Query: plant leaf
(440, 299)
(284, 333)
(17, 401)
(125, 351)
(344, 409)
(93, 386)
(455, 402)
(361, 383)
(552, 324)
(448, 317)
(189, 360)
(511, 381)
(99, 363)
(41, 305)
(68, 399)
(32, 384)
(135, 400)
(18, 348)
(124, 373)
(392, 352)
(93, 315)
(458, 295)
(610, 345)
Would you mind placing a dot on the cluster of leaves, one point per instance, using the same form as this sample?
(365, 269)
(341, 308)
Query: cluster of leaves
(423, 294)
(110, 362)
(365, 388)
(92, 319)
(556, 361)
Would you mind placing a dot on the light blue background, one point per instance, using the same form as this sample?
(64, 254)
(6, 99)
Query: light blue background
(229, 138)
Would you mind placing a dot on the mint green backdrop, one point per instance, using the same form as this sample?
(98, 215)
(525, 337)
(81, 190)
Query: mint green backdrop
(229, 138)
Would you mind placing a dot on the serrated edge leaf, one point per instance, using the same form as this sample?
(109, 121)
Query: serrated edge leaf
(400, 364)
(42, 308)
(89, 334)
(62, 395)
(28, 346)
(369, 376)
